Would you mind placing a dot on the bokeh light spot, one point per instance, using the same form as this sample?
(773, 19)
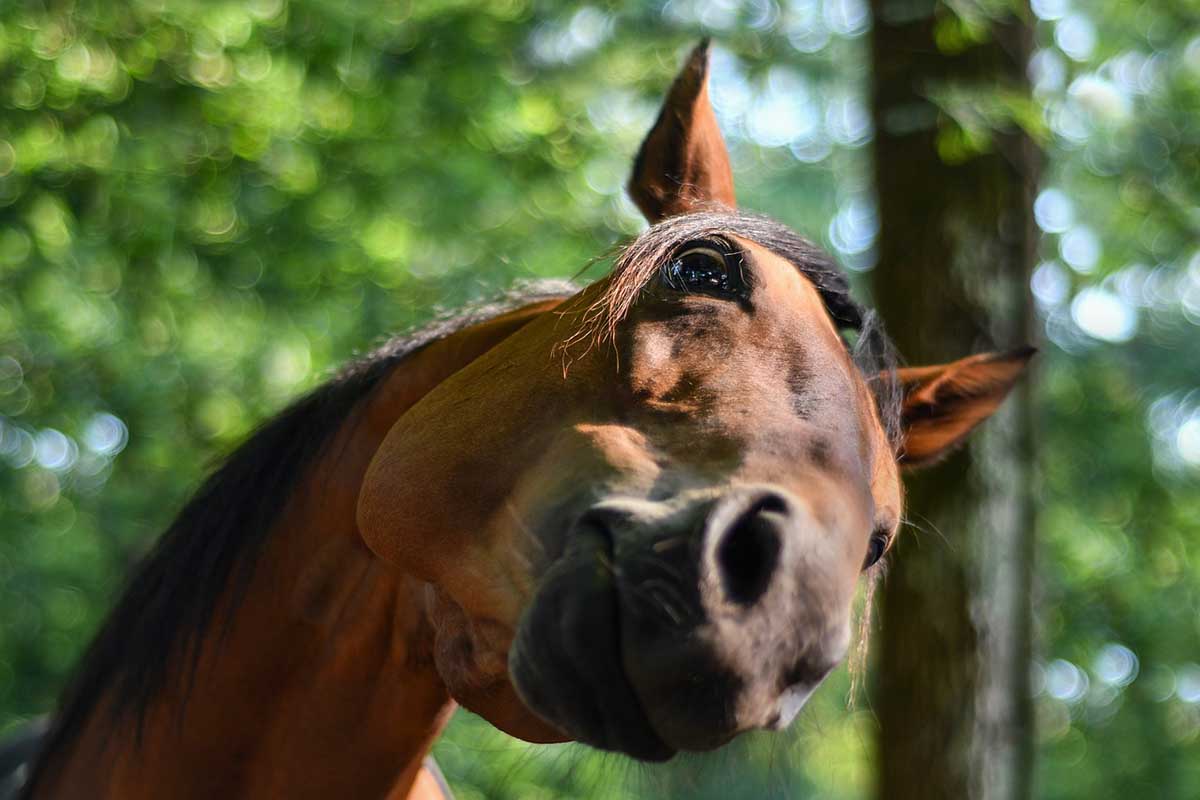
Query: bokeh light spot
(1080, 248)
(1103, 315)
(54, 450)
(1065, 681)
(105, 434)
(1075, 35)
(1116, 665)
(1053, 211)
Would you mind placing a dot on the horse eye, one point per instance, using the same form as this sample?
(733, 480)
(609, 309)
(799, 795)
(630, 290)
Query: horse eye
(875, 549)
(701, 268)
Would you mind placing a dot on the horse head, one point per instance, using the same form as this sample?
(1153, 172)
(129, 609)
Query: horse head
(643, 516)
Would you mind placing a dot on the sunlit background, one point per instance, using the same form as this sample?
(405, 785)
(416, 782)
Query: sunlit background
(205, 206)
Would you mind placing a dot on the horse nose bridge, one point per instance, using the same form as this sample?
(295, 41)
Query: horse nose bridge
(737, 544)
(744, 518)
(636, 520)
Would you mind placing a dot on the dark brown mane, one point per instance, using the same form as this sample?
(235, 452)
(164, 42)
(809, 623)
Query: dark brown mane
(151, 638)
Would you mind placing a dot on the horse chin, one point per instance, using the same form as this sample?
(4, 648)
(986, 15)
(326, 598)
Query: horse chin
(468, 655)
(566, 662)
(504, 709)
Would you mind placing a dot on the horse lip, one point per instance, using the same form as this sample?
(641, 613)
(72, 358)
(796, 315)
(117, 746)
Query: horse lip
(645, 744)
(584, 664)
(653, 747)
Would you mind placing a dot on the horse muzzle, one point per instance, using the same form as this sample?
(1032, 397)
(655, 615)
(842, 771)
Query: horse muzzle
(677, 625)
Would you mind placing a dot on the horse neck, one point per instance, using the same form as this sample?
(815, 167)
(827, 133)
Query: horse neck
(323, 685)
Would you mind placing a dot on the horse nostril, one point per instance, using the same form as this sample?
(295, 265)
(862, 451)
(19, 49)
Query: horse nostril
(598, 521)
(748, 551)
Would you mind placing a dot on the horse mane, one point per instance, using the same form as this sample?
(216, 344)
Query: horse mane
(153, 635)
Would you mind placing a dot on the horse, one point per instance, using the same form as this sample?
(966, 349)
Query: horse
(634, 515)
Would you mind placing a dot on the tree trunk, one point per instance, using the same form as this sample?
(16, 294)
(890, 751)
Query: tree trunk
(955, 251)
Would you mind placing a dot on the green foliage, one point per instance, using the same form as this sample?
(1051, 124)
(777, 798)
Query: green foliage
(1119, 290)
(205, 206)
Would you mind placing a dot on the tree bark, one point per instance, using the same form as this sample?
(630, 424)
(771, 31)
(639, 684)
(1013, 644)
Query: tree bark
(956, 247)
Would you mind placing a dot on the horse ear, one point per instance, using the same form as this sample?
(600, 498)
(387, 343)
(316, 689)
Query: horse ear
(942, 404)
(683, 165)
